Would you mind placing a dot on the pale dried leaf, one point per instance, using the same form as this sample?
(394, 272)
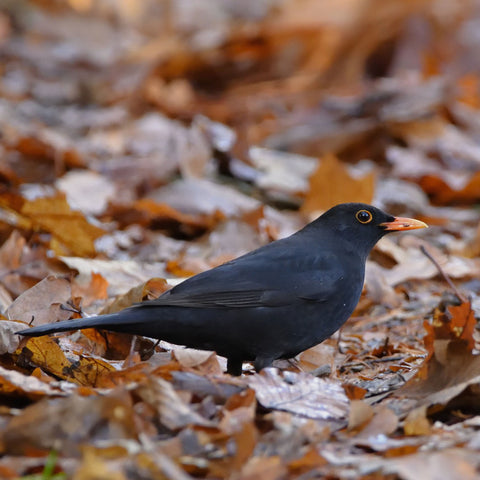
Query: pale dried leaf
(173, 411)
(42, 302)
(301, 394)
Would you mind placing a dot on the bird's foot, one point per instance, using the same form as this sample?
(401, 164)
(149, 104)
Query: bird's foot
(234, 366)
(262, 362)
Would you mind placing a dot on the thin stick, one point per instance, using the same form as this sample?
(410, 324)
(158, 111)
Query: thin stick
(460, 295)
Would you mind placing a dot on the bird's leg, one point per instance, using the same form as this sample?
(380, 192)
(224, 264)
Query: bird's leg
(234, 366)
(262, 362)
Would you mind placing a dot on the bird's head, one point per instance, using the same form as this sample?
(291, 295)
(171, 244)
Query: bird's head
(363, 225)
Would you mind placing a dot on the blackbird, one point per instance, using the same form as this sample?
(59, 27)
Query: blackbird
(271, 303)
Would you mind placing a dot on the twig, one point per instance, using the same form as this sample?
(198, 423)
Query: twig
(460, 295)
(69, 307)
(151, 350)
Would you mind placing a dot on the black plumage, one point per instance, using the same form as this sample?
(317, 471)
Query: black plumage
(271, 303)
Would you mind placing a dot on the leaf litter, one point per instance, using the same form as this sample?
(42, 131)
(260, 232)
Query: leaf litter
(146, 142)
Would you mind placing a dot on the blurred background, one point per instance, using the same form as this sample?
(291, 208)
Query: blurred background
(182, 133)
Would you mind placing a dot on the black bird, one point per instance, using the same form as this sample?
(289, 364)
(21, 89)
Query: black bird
(271, 303)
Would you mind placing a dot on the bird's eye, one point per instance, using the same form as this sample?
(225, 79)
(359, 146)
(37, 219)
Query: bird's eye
(363, 216)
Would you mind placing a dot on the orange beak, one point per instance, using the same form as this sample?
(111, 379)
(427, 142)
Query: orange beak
(402, 223)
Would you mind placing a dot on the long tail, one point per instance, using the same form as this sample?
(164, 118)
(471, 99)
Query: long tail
(113, 321)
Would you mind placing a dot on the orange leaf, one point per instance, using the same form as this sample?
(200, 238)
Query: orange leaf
(96, 289)
(70, 228)
(457, 325)
(442, 194)
(332, 183)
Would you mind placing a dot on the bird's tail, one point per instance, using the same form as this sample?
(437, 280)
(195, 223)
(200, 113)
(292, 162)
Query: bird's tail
(117, 322)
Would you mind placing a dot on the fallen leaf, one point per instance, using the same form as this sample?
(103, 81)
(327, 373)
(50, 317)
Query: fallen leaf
(263, 468)
(282, 172)
(456, 324)
(173, 412)
(416, 422)
(203, 361)
(321, 355)
(16, 385)
(443, 194)
(413, 264)
(310, 461)
(360, 413)
(87, 191)
(301, 394)
(45, 353)
(92, 291)
(49, 424)
(9, 341)
(94, 466)
(43, 302)
(199, 196)
(148, 290)
(331, 183)
(11, 251)
(70, 228)
(221, 390)
(120, 274)
(448, 463)
(451, 370)
(383, 423)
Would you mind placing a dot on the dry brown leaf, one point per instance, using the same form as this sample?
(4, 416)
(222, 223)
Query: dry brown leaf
(282, 172)
(44, 352)
(137, 373)
(354, 392)
(95, 289)
(172, 410)
(120, 274)
(148, 212)
(457, 324)
(245, 437)
(70, 228)
(301, 394)
(43, 302)
(448, 463)
(219, 389)
(378, 289)
(331, 183)
(309, 461)
(320, 355)
(11, 251)
(239, 410)
(202, 361)
(9, 341)
(442, 193)
(263, 468)
(194, 196)
(94, 466)
(179, 268)
(5, 297)
(148, 290)
(360, 413)
(14, 384)
(451, 370)
(383, 423)
(416, 422)
(87, 191)
(51, 424)
(413, 264)
(468, 88)
(113, 345)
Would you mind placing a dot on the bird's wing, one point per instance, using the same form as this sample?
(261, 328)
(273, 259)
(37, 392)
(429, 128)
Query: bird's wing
(280, 276)
(219, 299)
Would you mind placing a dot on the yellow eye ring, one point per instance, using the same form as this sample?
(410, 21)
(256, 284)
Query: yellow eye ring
(363, 216)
